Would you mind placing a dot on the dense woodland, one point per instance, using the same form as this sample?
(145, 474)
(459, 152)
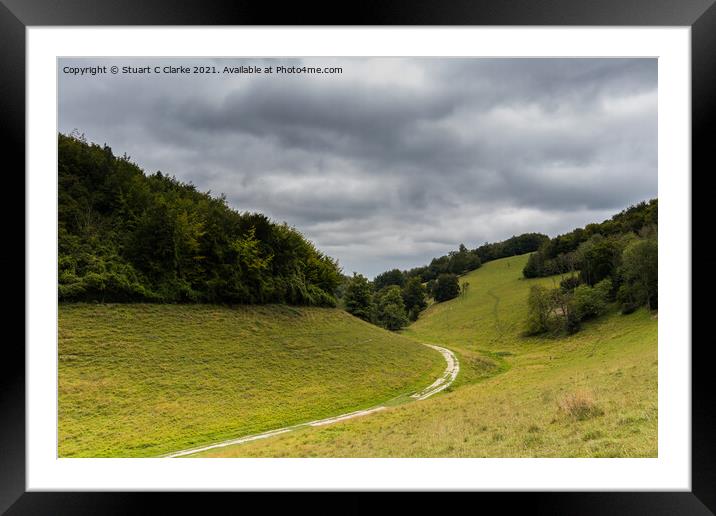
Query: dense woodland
(562, 253)
(126, 236)
(615, 261)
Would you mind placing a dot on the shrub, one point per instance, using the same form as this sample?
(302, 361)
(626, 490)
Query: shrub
(544, 313)
(533, 268)
(569, 283)
(413, 314)
(579, 405)
(572, 322)
(629, 308)
(589, 301)
(604, 289)
(555, 310)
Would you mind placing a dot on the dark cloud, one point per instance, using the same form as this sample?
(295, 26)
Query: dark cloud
(393, 161)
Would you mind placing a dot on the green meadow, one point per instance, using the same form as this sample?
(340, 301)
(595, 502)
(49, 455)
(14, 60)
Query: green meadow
(139, 380)
(590, 394)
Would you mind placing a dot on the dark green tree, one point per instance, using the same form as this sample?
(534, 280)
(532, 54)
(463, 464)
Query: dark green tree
(415, 297)
(358, 297)
(541, 306)
(390, 309)
(640, 272)
(385, 279)
(598, 259)
(588, 302)
(447, 287)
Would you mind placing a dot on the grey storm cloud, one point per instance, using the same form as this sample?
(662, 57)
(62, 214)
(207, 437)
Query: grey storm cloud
(395, 160)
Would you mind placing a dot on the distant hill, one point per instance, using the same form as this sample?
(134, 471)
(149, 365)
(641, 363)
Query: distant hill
(464, 260)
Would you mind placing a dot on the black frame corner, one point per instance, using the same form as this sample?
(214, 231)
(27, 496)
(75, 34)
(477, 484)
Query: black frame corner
(16, 15)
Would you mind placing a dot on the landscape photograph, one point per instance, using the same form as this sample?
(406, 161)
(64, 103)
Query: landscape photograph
(376, 257)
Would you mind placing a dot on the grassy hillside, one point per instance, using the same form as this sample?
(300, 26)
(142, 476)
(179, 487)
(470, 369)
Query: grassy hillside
(143, 380)
(592, 394)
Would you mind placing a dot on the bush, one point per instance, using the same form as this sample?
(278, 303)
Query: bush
(544, 310)
(579, 405)
(569, 283)
(604, 289)
(588, 302)
(555, 310)
(629, 308)
(572, 322)
(413, 314)
(533, 268)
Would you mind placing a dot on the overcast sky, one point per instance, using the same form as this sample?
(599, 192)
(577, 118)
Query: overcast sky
(394, 161)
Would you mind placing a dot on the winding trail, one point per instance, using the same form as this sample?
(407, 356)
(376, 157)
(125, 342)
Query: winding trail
(453, 368)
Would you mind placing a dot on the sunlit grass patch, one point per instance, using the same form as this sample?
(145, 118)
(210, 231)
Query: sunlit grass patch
(142, 380)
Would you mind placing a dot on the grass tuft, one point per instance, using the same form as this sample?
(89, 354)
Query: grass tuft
(579, 405)
(593, 435)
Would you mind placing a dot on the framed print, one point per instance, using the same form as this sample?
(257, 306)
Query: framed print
(416, 253)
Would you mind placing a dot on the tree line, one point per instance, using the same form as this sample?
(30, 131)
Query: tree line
(615, 261)
(560, 254)
(392, 306)
(440, 275)
(125, 236)
(464, 260)
(396, 297)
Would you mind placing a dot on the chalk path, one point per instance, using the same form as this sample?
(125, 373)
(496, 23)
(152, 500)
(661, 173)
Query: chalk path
(453, 368)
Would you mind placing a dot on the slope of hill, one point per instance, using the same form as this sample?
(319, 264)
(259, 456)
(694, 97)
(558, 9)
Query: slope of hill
(143, 380)
(591, 394)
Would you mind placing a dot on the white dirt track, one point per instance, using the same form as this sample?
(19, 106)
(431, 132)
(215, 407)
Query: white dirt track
(451, 371)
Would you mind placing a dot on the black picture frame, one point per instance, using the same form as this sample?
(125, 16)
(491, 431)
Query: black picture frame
(16, 15)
